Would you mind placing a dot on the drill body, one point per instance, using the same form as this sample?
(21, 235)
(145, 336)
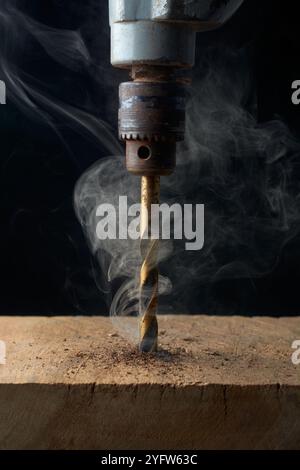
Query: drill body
(155, 40)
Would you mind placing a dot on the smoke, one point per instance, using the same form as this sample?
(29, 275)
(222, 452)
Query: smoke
(58, 90)
(65, 47)
(244, 172)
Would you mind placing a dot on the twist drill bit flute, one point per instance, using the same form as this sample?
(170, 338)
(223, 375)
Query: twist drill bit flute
(149, 271)
(155, 40)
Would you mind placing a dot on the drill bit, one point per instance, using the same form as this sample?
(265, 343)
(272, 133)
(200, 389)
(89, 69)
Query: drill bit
(150, 191)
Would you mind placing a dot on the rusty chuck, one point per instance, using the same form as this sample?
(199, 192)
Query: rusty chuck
(151, 121)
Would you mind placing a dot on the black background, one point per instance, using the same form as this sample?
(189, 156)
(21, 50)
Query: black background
(45, 264)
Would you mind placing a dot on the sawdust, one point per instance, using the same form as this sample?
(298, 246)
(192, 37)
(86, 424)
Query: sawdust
(130, 356)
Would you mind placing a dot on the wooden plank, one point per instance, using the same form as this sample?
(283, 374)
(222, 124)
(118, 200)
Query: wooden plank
(217, 382)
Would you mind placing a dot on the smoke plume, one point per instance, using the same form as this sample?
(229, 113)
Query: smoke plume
(66, 47)
(244, 172)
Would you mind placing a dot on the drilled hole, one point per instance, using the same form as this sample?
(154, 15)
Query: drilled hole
(144, 152)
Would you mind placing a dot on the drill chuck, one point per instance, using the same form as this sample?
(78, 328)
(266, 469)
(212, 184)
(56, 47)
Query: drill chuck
(151, 121)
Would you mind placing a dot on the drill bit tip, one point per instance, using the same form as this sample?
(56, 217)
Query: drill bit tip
(149, 333)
